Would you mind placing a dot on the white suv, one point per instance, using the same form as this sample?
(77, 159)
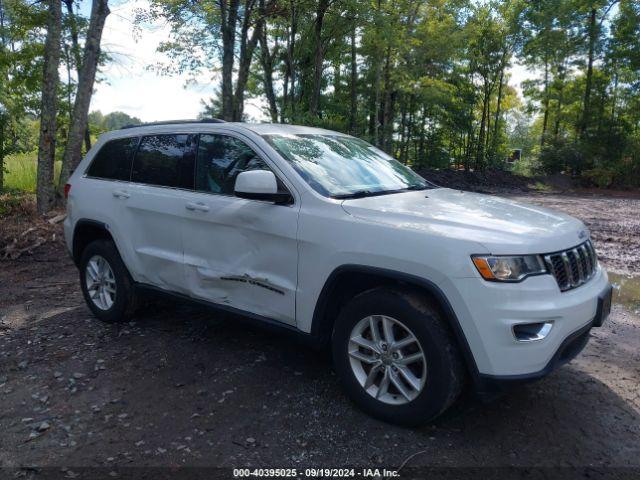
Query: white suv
(415, 287)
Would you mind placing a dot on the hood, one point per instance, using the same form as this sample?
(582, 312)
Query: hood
(503, 226)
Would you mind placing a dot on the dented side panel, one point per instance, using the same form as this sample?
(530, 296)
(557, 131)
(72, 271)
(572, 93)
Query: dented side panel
(242, 253)
(154, 219)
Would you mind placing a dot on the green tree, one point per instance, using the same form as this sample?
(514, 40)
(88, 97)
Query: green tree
(86, 78)
(45, 193)
(206, 35)
(21, 45)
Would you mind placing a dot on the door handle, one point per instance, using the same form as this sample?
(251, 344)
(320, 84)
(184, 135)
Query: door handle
(199, 206)
(120, 194)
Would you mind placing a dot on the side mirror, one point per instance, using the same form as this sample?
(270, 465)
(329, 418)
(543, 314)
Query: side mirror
(260, 185)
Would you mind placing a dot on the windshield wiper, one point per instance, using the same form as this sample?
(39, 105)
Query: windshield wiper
(356, 194)
(370, 193)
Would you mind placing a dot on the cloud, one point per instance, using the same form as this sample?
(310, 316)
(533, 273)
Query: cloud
(128, 85)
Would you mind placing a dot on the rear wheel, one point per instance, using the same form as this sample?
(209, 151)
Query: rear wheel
(395, 357)
(106, 284)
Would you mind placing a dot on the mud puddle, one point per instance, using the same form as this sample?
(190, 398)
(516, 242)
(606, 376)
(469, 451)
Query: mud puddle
(626, 291)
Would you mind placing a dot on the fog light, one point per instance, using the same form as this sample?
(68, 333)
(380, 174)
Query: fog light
(531, 332)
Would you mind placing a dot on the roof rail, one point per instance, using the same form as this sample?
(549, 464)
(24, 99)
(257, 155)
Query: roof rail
(174, 122)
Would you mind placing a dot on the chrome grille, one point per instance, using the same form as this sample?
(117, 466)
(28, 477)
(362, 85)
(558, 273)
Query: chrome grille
(572, 267)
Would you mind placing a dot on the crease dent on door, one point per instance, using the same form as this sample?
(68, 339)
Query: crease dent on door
(161, 262)
(248, 281)
(258, 282)
(207, 277)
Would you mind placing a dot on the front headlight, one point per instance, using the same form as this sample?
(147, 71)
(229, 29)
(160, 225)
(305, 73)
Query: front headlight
(498, 268)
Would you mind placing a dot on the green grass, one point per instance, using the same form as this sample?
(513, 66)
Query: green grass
(21, 171)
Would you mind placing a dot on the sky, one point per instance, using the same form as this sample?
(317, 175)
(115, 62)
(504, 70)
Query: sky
(128, 85)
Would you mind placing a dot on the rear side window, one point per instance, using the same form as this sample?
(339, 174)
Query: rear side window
(220, 160)
(166, 161)
(113, 160)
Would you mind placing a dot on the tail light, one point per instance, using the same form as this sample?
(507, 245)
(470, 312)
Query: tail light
(67, 189)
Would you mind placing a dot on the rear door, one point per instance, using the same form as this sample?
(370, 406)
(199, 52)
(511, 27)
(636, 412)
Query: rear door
(105, 184)
(161, 176)
(238, 252)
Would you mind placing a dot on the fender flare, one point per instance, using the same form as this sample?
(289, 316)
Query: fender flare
(85, 222)
(320, 324)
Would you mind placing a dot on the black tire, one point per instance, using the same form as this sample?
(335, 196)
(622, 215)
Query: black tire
(125, 302)
(445, 371)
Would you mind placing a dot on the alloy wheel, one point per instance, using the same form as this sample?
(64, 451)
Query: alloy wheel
(387, 359)
(101, 282)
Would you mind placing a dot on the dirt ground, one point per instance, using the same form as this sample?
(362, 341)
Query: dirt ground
(614, 223)
(181, 386)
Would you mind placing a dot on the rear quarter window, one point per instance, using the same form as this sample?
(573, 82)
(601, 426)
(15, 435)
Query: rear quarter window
(113, 160)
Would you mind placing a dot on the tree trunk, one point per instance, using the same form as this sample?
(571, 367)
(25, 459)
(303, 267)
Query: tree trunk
(376, 104)
(410, 125)
(589, 79)
(78, 127)
(391, 113)
(337, 78)
(67, 61)
(421, 151)
(266, 59)
(403, 127)
(285, 80)
(290, 72)
(496, 119)
(545, 103)
(372, 119)
(3, 44)
(73, 28)
(318, 56)
(614, 95)
(353, 87)
(556, 127)
(75, 50)
(87, 138)
(3, 40)
(229, 17)
(558, 119)
(45, 191)
(247, 47)
(479, 164)
(386, 113)
(2, 129)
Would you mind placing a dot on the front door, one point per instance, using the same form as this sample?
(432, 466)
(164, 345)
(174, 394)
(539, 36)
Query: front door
(237, 252)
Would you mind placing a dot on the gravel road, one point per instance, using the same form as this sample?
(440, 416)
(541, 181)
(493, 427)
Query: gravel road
(181, 386)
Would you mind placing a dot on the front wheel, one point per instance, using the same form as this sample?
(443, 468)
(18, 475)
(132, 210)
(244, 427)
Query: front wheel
(106, 284)
(395, 357)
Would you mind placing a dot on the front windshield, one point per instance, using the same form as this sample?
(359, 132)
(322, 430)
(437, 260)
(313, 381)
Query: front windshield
(339, 166)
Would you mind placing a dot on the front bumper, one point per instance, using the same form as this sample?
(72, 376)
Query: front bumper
(489, 386)
(491, 310)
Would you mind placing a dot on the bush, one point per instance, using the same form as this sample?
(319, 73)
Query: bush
(560, 155)
(600, 177)
(527, 167)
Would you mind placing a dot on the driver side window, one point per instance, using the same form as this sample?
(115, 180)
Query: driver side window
(220, 159)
